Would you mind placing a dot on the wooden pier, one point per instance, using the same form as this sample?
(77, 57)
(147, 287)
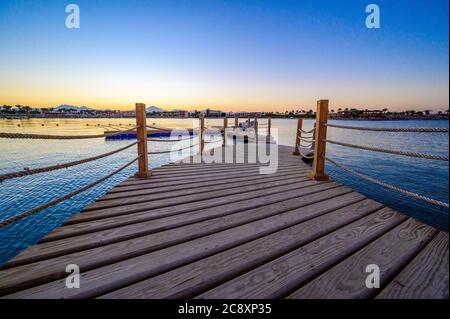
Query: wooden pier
(227, 231)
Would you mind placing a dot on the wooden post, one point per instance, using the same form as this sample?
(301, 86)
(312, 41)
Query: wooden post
(298, 136)
(141, 130)
(256, 129)
(269, 128)
(318, 171)
(236, 121)
(202, 133)
(225, 125)
(248, 121)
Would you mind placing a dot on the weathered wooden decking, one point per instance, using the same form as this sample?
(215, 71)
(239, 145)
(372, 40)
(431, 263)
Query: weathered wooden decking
(226, 231)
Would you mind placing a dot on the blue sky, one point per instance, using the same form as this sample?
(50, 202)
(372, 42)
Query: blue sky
(234, 55)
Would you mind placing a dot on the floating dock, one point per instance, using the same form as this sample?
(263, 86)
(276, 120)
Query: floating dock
(151, 133)
(197, 230)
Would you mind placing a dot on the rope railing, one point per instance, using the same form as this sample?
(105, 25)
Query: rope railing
(388, 186)
(301, 146)
(306, 146)
(390, 129)
(310, 156)
(171, 151)
(62, 137)
(306, 132)
(141, 132)
(396, 152)
(159, 128)
(33, 171)
(35, 210)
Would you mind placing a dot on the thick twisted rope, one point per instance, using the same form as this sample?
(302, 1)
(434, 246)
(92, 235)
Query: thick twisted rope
(306, 146)
(33, 211)
(60, 166)
(306, 132)
(306, 156)
(388, 186)
(375, 149)
(393, 129)
(170, 151)
(61, 137)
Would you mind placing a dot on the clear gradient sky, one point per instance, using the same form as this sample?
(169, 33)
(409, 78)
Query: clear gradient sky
(231, 55)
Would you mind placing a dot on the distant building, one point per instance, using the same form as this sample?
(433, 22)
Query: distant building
(214, 113)
(175, 113)
(247, 114)
(242, 114)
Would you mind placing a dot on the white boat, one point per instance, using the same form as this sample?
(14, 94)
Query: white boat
(241, 134)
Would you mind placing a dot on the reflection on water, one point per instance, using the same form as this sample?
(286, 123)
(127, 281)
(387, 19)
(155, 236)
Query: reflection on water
(426, 177)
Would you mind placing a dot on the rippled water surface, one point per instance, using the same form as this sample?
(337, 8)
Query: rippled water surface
(426, 177)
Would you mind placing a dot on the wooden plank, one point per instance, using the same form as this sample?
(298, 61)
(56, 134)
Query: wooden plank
(190, 185)
(279, 277)
(189, 166)
(114, 276)
(226, 207)
(194, 278)
(212, 199)
(181, 177)
(201, 223)
(240, 155)
(194, 172)
(390, 253)
(195, 189)
(186, 181)
(426, 277)
(237, 160)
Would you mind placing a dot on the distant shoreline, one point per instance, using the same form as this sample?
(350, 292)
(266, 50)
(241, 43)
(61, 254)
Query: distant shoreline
(429, 118)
